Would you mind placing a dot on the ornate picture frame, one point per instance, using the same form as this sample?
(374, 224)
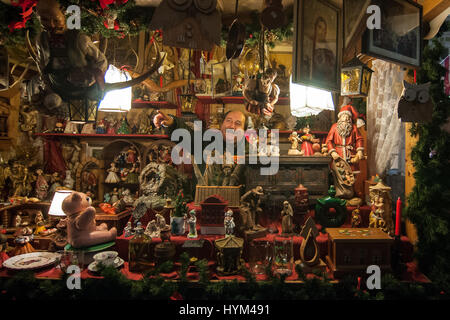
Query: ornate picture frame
(318, 41)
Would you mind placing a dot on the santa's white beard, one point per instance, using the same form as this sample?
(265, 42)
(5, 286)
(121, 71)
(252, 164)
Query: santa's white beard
(344, 128)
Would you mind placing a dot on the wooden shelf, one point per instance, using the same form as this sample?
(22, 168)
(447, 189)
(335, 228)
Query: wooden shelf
(116, 136)
(284, 101)
(137, 104)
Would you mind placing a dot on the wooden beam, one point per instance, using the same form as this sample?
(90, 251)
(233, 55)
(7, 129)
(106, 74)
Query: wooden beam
(432, 8)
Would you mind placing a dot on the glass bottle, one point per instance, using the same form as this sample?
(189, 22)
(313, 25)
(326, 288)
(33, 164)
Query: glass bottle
(139, 251)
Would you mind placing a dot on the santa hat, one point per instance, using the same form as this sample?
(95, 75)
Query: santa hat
(351, 111)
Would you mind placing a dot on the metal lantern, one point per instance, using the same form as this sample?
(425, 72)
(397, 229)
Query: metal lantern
(82, 111)
(355, 78)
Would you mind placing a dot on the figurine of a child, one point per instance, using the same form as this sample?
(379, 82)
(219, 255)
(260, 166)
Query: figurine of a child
(192, 221)
(229, 223)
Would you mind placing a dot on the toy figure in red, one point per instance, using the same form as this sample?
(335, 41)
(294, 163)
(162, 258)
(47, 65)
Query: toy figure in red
(307, 142)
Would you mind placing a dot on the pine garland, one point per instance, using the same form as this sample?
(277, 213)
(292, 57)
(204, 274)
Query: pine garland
(429, 202)
(114, 285)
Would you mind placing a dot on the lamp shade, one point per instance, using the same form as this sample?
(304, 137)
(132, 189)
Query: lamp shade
(307, 101)
(116, 100)
(56, 206)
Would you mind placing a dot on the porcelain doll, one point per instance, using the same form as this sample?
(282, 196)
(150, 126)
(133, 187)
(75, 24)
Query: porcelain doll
(131, 155)
(128, 230)
(124, 174)
(112, 174)
(106, 198)
(114, 196)
(133, 175)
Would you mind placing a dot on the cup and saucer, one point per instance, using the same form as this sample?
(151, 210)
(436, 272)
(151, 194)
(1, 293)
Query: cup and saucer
(105, 259)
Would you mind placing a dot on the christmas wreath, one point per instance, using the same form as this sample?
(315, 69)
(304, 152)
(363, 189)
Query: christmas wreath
(327, 218)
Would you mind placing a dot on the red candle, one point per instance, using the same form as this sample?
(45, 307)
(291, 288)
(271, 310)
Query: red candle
(398, 218)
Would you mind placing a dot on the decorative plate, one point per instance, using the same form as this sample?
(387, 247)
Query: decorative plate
(31, 261)
(94, 266)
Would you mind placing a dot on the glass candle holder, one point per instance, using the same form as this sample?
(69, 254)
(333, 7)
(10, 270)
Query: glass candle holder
(260, 256)
(283, 259)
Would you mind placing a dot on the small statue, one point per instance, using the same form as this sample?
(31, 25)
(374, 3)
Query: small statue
(68, 181)
(111, 126)
(251, 209)
(127, 197)
(287, 216)
(356, 218)
(152, 229)
(161, 222)
(261, 95)
(376, 214)
(133, 175)
(29, 120)
(112, 174)
(192, 222)
(131, 155)
(41, 186)
(124, 174)
(18, 221)
(294, 139)
(128, 230)
(121, 159)
(229, 223)
(101, 126)
(114, 196)
(40, 223)
(307, 140)
(106, 198)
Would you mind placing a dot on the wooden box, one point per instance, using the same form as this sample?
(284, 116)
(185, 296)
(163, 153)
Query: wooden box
(114, 220)
(352, 250)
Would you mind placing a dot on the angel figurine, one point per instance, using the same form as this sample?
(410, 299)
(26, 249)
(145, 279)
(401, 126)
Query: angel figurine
(112, 174)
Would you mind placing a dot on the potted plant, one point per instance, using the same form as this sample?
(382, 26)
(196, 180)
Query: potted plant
(177, 219)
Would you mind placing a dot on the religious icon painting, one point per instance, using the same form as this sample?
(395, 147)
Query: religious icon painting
(317, 44)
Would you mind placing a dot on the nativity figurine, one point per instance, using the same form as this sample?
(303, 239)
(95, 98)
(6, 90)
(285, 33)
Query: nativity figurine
(287, 219)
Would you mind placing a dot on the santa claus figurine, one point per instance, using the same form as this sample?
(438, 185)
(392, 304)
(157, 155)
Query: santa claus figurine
(344, 139)
(346, 146)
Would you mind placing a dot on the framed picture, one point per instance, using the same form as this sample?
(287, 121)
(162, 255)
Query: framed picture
(221, 78)
(400, 38)
(94, 152)
(355, 18)
(317, 44)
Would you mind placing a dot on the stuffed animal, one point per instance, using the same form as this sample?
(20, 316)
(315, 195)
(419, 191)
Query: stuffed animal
(81, 228)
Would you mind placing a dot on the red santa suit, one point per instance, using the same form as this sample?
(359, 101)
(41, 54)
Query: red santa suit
(345, 146)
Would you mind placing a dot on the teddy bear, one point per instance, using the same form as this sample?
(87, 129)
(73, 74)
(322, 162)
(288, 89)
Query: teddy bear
(81, 227)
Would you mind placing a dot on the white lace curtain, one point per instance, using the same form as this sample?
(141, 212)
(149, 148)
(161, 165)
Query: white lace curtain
(384, 128)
